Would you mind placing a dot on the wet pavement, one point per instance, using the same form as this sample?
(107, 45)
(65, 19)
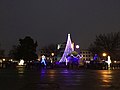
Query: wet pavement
(59, 79)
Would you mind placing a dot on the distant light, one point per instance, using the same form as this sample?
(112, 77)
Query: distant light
(58, 47)
(3, 59)
(38, 59)
(68, 34)
(104, 54)
(87, 61)
(109, 62)
(11, 60)
(77, 46)
(21, 62)
(0, 61)
(51, 61)
(52, 54)
(115, 61)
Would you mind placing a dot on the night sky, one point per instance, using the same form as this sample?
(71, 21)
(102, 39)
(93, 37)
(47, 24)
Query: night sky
(49, 21)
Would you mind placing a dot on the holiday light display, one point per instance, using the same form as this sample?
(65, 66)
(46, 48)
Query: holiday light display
(43, 60)
(68, 49)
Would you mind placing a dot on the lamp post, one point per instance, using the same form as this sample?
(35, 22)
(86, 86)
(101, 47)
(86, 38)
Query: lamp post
(52, 54)
(104, 55)
(77, 48)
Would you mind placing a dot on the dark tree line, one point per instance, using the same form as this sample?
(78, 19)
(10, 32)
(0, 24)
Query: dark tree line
(48, 50)
(26, 49)
(53, 48)
(109, 43)
(2, 52)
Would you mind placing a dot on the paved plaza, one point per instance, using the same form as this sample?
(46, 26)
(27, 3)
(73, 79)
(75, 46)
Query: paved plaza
(59, 79)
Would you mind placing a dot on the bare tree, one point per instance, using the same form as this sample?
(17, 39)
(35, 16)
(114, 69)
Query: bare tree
(109, 43)
(47, 50)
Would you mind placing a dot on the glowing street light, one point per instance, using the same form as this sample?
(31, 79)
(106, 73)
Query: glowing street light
(52, 54)
(3, 59)
(104, 54)
(77, 46)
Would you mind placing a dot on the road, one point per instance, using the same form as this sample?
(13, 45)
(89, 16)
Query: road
(59, 79)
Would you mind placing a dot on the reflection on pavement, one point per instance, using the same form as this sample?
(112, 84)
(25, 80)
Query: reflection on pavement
(21, 70)
(106, 78)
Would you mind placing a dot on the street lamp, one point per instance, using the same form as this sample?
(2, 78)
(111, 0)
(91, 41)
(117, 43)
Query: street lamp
(52, 58)
(77, 46)
(104, 54)
(52, 54)
(3, 59)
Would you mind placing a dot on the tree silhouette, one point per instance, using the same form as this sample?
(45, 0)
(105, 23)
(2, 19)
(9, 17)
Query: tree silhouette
(25, 50)
(109, 43)
(2, 52)
(47, 50)
(13, 53)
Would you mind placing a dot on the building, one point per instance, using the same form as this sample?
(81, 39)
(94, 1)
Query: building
(86, 55)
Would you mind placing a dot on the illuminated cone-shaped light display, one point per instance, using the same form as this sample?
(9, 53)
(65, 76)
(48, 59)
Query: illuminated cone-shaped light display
(68, 49)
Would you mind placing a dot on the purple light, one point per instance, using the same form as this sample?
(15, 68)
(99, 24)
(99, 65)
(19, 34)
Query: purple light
(68, 49)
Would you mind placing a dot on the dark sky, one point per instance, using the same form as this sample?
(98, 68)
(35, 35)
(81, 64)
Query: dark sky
(49, 21)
